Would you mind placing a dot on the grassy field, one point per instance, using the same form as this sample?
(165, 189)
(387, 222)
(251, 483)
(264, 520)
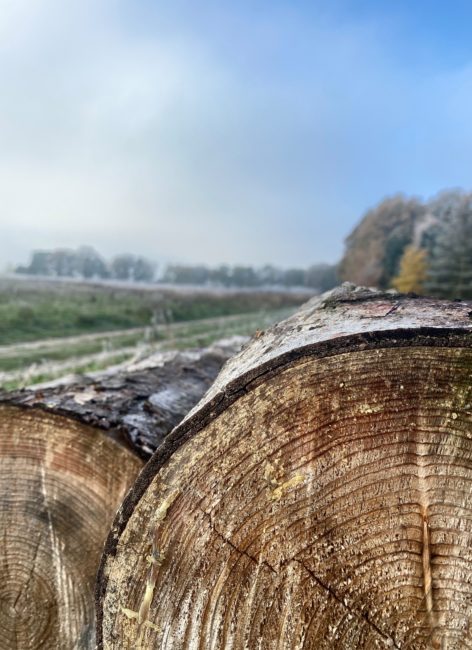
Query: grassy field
(31, 310)
(50, 329)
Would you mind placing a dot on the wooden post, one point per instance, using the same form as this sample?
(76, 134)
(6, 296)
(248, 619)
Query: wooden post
(319, 496)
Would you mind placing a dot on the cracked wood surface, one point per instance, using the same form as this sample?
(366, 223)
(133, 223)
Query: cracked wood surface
(60, 485)
(319, 496)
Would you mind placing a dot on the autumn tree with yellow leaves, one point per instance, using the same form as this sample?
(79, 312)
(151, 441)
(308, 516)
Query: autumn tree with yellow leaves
(413, 271)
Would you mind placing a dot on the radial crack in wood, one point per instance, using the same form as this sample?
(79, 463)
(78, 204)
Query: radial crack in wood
(318, 497)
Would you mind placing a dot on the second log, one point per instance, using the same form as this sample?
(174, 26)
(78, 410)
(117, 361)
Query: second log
(318, 497)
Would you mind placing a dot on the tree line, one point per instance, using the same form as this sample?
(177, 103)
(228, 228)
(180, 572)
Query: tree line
(86, 263)
(318, 276)
(411, 245)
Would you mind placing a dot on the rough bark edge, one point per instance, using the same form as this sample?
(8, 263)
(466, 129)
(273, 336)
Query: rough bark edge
(344, 311)
(118, 436)
(446, 337)
(130, 396)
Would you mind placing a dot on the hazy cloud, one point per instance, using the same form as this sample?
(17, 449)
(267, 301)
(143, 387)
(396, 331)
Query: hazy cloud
(215, 133)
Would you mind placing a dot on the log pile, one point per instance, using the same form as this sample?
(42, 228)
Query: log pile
(319, 496)
(68, 455)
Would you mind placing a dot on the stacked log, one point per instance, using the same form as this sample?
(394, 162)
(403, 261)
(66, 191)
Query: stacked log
(137, 402)
(68, 455)
(60, 484)
(319, 496)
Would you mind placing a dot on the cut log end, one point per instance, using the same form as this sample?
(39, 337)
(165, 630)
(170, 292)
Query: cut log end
(60, 485)
(324, 504)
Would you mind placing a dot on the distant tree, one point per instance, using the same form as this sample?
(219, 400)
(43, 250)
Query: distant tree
(376, 245)
(236, 276)
(322, 276)
(222, 275)
(144, 270)
(270, 275)
(168, 274)
(199, 274)
(41, 264)
(440, 211)
(413, 271)
(450, 274)
(90, 264)
(294, 278)
(181, 274)
(446, 204)
(122, 266)
(59, 262)
(244, 276)
(87, 263)
(395, 245)
(64, 262)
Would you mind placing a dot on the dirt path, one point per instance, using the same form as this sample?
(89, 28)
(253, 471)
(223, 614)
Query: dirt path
(177, 335)
(68, 341)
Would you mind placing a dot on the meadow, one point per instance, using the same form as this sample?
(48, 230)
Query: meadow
(49, 328)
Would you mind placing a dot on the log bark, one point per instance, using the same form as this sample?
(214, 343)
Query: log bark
(319, 496)
(139, 403)
(68, 454)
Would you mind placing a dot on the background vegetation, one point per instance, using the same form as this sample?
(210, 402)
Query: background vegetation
(403, 242)
(424, 247)
(85, 263)
(51, 328)
(32, 310)
(52, 322)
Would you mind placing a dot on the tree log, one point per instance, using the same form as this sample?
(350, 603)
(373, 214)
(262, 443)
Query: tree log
(60, 485)
(318, 497)
(68, 454)
(138, 403)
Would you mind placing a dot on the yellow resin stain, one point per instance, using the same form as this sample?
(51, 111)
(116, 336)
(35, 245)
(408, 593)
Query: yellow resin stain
(164, 506)
(131, 614)
(298, 479)
(367, 409)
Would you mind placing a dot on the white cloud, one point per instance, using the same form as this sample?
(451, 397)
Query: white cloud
(246, 137)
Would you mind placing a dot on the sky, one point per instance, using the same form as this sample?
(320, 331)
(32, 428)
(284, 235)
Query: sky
(225, 132)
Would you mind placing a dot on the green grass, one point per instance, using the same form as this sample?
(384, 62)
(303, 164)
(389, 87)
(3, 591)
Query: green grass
(21, 358)
(33, 310)
(25, 366)
(83, 368)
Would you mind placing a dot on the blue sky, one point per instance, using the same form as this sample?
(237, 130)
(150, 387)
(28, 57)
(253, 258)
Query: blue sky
(238, 132)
